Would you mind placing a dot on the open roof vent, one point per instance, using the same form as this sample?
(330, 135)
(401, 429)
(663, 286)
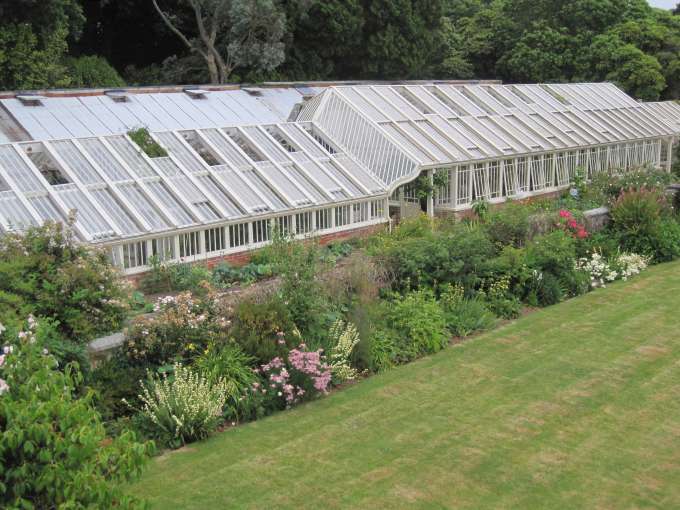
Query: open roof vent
(253, 92)
(196, 93)
(30, 99)
(117, 96)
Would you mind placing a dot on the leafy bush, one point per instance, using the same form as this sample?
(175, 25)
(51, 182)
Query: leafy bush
(175, 277)
(114, 382)
(185, 407)
(418, 321)
(509, 225)
(264, 330)
(611, 185)
(454, 255)
(636, 213)
(231, 364)
(142, 138)
(545, 289)
(554, 252)
(464, 316)
(92, 71)
(47, 273)
(53, 446)
(182, 328)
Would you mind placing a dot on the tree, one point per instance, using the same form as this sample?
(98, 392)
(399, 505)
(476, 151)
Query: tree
(402, 38)
(230, 33)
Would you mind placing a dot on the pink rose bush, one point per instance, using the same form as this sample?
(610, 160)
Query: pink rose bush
(567, 222)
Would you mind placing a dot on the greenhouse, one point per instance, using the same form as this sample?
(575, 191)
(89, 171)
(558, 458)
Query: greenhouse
(234, 166)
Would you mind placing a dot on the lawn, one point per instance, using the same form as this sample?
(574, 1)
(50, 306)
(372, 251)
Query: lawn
(574, 406)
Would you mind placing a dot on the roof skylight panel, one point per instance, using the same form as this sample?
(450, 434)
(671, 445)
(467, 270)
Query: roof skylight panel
(374, 97)
(14, 214)
(181, 152)
(407, 144)
(272, 150)
(76, 161)
(542, 96)
(629, 121)
(422, 95)
(132, 155)
(308, 183)
(264, 188)
(298, 136)
(407, 108)
(253, 202)
(460, 101)
(118, 214)
(489, 135)
(207, 212)
(612, 126)
(284, 183)
(331, 167)
(476, 141)
(427, 126)
(159, 190)
(359, 173)
(143, 206)
(87, 216)
(423, 140)
(224, 200)
(548, 132)
(584, 123)
(17, 169)
(460, 137)
(104, 159)
(227, 149)
(354, 98)
(483, 99)
(322, 175)
(503, 96)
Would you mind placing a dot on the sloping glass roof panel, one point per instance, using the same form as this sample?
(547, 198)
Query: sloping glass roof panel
(433, 133)
(361, 175)
(422, 140)
(76, 161)
(429, 100)
(46, 208)
(18, 170)
(87, 217)
(306, 181)
(298, 136)
(143, 206)
(132, 155)
(184, 155)
(104, 159)
(381, 103)
(362, 105)
(291, 188)
(272, 149)
(263, 188)
(228, 150)
(216, 191)
(170, 202)
(13, 212)
(119, 215)
(341, 177)
(407, 143)
(238, 187)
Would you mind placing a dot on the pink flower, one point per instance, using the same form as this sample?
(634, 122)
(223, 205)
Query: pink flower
(572, 223)
(564, 213)
(3, 386)
(581, 234)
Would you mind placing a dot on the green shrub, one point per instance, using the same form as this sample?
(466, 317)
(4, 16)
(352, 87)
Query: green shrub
(188, 276)
(511, 264)
(185, 407)
(92, 71)
(142, 138)
(545, 290)
(54, 450)
(509, 226)
(264, 330)
(637, 213)
(225, 275)
(114, 381)
(47, 273)
(554, 252)
(231, 364)
(664, 243)
(418, 321)
(464, 316)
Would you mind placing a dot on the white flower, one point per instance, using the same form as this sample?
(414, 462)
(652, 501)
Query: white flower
(2, 328)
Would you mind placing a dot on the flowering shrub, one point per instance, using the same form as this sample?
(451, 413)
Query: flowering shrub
(567, 222)
(53, 448)
(602, 271)
(186, 407)
(345, 338)
(630, 264)
(598, 268)
(302, 375)
(46, 272)
(182, 328)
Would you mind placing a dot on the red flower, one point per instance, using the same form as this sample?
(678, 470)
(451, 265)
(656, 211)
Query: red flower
(564, 213)
(581, 233)
(572, 224)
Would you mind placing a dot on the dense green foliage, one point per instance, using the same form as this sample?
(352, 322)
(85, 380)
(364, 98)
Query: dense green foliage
(624, 41)
(54, 452)
(47, 273)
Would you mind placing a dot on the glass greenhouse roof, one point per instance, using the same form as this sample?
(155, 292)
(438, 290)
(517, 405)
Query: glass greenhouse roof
(399, 130)
(209, 175)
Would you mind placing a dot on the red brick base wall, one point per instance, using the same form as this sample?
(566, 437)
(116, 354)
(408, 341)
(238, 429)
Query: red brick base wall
(243, 257)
